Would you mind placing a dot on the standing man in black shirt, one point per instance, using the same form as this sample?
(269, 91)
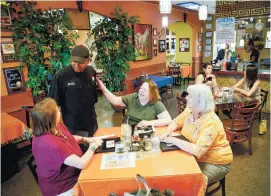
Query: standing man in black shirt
(75, 91)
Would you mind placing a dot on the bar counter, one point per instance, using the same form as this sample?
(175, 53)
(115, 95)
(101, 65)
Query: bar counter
(229, 78)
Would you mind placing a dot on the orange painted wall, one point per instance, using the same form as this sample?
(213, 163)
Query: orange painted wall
(148, 12)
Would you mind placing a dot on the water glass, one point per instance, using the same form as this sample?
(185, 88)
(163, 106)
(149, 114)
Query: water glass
(231, 92)
(126, 132)
(120, 147)
(155, 141)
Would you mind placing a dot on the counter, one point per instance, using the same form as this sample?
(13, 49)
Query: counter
(229, 78)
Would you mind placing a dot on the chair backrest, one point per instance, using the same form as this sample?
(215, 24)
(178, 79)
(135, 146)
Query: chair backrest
(174, 70)
(264, 95)
(32, 166)
(181, 103)
(244, 117)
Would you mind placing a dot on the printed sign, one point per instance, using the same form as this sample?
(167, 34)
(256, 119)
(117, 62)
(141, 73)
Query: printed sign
(14, 80)
(225, 30)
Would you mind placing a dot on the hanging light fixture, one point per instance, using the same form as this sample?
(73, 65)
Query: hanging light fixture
(164, 21)
(165, 6)
(203, 12)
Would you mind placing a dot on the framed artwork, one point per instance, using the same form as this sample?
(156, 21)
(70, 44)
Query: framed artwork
(8, 50)
(200, 37)
(154, 32)
(155, 52)
(143, 41)
(208, 41)
(199, 48)
(5, 19)
(208, 48)
(208, 26)
(208, 34)
(162, 45)
(80, 20)
(184, 44)
(209, 18)
(14, 80)
(154, 42)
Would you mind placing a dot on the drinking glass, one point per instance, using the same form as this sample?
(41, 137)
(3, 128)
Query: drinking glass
(126, 132)
(231, 92)
(155, 141)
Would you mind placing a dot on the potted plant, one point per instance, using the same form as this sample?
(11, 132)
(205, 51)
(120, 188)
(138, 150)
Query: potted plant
(114, 46)
(43, 40)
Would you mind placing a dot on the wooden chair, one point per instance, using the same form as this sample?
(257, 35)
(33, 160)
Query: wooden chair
(221, 184)
(32, 166)
(139, 82)
(181, 103)
(176, 75)
(239, 128)
(264, 95)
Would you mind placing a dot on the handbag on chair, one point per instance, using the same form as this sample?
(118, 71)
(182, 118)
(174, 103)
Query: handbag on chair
(146, 191)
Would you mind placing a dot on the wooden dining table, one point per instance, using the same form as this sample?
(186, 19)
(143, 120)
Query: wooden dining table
(175, 170)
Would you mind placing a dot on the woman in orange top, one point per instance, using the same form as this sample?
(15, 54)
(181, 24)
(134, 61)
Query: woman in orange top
(205, 132)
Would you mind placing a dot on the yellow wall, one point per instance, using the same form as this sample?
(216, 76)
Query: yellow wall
(182, 30)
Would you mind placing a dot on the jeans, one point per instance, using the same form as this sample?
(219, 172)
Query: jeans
(214, 172)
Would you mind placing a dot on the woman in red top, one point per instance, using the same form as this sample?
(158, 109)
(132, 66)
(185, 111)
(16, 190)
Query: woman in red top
(58, 156)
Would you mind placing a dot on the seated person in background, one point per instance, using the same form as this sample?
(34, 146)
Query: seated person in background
(250, 82)
(254, 56)
(143, 108)
(58, 156)
(206, 77)
(205, 132)
(227, 53)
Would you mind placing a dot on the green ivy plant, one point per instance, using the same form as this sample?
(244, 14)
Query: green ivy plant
(43, 40)
(114, 47)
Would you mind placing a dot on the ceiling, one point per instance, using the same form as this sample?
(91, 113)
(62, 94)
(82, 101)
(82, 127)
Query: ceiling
(194, 4)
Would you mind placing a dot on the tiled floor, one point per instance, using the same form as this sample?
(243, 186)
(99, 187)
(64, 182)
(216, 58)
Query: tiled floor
(249, 176)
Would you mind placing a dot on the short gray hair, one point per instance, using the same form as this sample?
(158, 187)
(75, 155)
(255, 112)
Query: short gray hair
(204, 95)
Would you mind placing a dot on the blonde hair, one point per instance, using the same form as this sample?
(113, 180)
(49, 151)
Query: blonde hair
(153, 92)
(205, 99)
(44, 116)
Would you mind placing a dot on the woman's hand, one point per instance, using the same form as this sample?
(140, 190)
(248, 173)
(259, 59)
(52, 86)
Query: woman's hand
(169, 140)
(165, 135)
(100, 83)
(90, 140)
(144, 123)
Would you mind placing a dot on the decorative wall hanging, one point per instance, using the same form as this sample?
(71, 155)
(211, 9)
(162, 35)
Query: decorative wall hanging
(5, 19)
(7, 50)
(208, 26)
(154, 42)
(200, 37)
(162, 45)
(143, 41)
(208, 34)
(155, 52)
(208, 41)
(259, 25)
(208, 48)
(209, 18)
(80, 20)
(184, 44)
(199, 48)
(154, 32)
(14, 80)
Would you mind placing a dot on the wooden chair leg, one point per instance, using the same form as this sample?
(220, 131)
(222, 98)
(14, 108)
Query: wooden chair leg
(249, 145)
(223, 182)
(260, 116)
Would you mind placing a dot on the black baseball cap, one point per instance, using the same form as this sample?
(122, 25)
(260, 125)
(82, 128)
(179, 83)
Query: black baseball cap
(80, 54)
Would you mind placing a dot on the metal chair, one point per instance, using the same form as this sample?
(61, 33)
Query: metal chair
(221, 184)
(239, 128)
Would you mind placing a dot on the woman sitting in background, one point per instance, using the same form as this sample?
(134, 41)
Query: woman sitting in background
(143, 108)
(205, 132)
(206, 77)
(58, 156)
(250, 82)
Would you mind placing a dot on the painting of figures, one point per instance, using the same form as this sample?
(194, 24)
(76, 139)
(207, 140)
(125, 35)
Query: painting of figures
(143, 41)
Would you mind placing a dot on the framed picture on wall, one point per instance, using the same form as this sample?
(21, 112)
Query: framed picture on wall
(184, 44)
(208, 26)
(154, 32)
(200, 37)
(14, 80)
(143, 41)
(208, 48)
(162, 45)
(154, 42)
(199, 48)
(5, 19)
(208, 34)
(155, 52)
(208, 41)
(209, 18)
(8, 53)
